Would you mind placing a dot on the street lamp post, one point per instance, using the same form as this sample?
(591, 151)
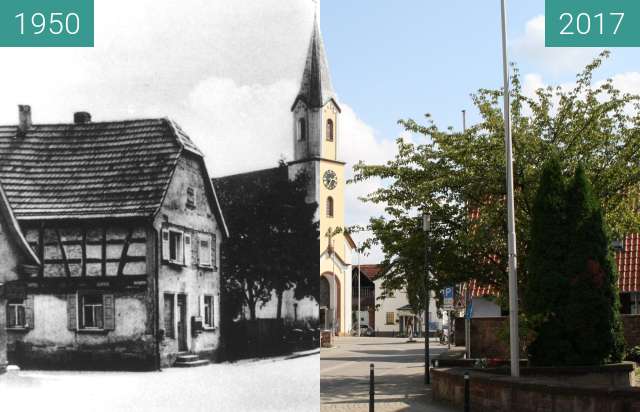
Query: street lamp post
(514, 340)
(426, 227)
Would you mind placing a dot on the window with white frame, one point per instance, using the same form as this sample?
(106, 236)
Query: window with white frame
(176, 247)
(208, 312)
(91, 312)
(390, 318)
(16, 314)
(204, 250)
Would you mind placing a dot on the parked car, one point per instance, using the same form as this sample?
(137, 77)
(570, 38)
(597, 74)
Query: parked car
(365, 330)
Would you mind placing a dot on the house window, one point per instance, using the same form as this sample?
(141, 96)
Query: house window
(302, 129)
(204, 250)
(391, 318)
(169, 328)
(91, 312)
(16, 314)
(208, 312)
(176, 247)
(191, 198)
(329, 206)
(635, 303)
(330, 130)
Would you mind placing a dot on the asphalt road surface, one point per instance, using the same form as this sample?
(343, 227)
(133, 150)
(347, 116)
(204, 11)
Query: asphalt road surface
(399, 375)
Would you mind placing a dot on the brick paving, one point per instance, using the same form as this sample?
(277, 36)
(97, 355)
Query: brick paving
(399, 376)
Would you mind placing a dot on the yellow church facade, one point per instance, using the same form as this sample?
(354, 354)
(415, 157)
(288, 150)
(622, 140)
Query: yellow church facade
(316, 124)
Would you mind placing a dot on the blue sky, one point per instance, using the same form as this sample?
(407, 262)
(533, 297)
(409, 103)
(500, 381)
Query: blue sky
(391, 60)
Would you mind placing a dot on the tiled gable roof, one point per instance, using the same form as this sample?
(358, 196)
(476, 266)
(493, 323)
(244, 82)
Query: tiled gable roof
(372, 272)
(628, 263)
(90, 170)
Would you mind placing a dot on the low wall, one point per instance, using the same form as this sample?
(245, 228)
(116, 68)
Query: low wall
(486, 342)
(498, 393)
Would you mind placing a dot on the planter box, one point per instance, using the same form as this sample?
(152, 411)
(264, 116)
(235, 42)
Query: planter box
(540, 389)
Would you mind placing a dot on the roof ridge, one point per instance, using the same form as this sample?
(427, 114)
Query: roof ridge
(133, 120)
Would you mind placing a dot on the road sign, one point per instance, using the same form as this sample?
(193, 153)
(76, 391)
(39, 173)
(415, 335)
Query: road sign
(448, 298)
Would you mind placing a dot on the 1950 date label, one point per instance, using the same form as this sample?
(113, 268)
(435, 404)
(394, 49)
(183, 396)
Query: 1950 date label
(46, 23)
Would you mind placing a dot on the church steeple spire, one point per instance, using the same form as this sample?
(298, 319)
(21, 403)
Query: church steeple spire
(315, 88)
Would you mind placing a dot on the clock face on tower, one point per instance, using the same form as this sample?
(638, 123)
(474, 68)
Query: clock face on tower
(330, 179)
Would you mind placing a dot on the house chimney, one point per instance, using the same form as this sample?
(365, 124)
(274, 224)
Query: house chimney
(24, 119)
(81, 117)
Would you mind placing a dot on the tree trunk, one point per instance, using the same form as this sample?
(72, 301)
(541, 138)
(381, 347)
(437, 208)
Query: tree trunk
(279, 309)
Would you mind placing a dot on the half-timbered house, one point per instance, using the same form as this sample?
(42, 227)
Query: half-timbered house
(126, 229)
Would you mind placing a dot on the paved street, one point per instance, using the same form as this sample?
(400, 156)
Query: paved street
(251, 386)
(399, 375)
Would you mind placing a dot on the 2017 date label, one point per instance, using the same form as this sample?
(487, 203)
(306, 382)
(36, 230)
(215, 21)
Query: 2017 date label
(592, 23)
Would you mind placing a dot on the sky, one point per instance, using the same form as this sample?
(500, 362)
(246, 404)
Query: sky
(228, 70)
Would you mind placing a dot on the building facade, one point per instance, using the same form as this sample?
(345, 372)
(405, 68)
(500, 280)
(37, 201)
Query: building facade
(127, 229)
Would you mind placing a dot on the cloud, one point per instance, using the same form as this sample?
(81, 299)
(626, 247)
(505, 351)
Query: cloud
(360, 142)
(242, 127)
(224, 70)
(530, 47)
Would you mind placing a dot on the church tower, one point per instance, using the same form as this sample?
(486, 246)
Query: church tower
(316, 132)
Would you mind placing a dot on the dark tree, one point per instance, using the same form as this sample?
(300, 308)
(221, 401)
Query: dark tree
(273, 244)
(547, 284)
(571, 298)
(593, 304)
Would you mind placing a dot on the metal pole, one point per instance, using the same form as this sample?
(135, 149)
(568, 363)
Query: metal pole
(467, 322)
(371, 388)
(513, 276)
(464, 120)
(467, 401)
(358, 293)
(426, 226)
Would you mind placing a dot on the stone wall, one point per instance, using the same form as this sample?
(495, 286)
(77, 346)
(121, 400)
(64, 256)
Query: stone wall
(486, 332)
(485, 338)
(502, 394)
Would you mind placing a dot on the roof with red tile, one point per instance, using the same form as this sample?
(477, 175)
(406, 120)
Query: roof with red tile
(371, 271)
(628, 263)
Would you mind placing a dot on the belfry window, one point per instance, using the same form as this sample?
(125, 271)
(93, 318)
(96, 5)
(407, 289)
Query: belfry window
(330, 130)
(329, 206)
(302, 129)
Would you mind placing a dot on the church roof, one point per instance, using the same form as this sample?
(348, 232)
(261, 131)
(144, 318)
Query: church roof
(316, 88)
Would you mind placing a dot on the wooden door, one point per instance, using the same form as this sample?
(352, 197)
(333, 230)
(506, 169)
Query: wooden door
(182, 323)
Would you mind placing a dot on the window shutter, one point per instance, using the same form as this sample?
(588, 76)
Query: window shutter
(214, 260)
(215, 316)
(72, 312)
(165, 245)
(201, 307)
(187, 249)
(108, 301)
(28, 312)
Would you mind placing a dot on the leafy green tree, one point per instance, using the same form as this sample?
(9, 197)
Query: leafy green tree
(592, 312)
(460, 177)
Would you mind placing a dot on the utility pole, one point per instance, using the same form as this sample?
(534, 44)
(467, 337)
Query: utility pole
(467, 296)
(358, 250)
(426, 227)
(514, 339)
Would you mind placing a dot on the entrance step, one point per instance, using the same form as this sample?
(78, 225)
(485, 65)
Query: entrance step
(189, 361)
